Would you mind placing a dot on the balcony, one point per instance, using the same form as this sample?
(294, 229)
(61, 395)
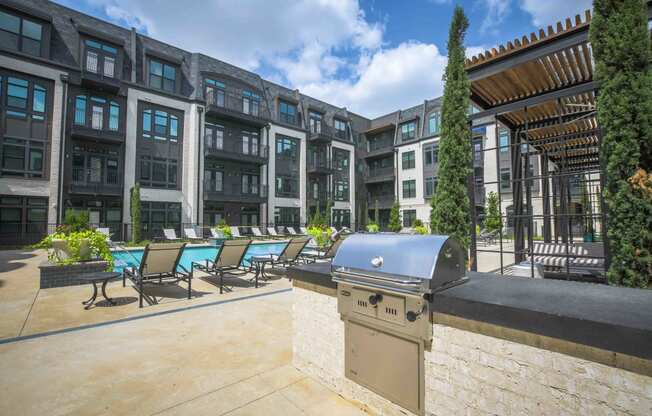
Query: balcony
(96, 134)
(383, 200)
(230, 104)
(380, 175)
(321, 166)
(94, 182)
(323, 133)
(375, 149)
(321, 197)
(233, 193)
(236, 151)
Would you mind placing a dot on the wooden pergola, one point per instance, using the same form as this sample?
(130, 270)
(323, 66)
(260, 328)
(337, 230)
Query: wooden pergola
(541, 88)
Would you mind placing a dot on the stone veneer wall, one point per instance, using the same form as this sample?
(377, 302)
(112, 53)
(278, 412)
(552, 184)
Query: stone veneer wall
(471, 373)
(54, 275)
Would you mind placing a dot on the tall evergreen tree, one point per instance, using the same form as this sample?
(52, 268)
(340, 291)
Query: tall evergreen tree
(493, 221)
(395, 218)
(134, 210)
(450, 213)
(621, 47)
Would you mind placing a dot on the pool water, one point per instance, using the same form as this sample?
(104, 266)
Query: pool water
(131, 258)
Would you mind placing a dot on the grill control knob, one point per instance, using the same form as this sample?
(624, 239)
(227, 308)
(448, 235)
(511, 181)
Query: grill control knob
(374, 299)
(412, 316)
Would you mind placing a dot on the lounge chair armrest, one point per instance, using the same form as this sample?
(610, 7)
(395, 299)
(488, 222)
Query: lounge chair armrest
(183, 268)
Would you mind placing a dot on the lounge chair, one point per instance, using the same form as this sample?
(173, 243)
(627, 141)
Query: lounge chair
(271, 231)
(303, 230)
(217, 234)
(228, 258)
(235, 233)
(292, 231)
(159, 265)
(291, 252)
(258, 234)
(334, 230)
(312, 255)
(191, 234)
(170, 234)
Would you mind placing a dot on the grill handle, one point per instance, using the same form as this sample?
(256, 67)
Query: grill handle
(406, 283)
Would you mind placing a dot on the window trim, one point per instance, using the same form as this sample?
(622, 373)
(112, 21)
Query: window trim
(164, 63)
(44, 42)
(413, 187)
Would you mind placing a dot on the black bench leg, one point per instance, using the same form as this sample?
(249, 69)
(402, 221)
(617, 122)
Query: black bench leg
(189, 285)
(140, 293)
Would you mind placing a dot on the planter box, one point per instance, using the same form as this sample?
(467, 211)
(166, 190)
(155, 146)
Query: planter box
(55, 275)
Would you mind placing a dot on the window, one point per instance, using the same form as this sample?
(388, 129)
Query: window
(287, 186)
(250, 103)
(410, 189)
(23, 158)
(430, 186)
(101, 113)
(505, 178)
(165, 125)
(214, 178)
(341, 189)
(503, 139)
(434, 123)
(341, 218)
(158, 172)
(408, 130)
(409, 216)
(430, 153)
(286, 216)
(315, 122)
(91, 165)
(250, 143)
(22, 219)
(17, 89)
(408, 160)
(477, 150)
(20, 34)
(340, 128)
(287, 148)
(250, 184)
(288, 113)
(162, 76)
(215, 92)
(213, 136)
(341, 162)
(158, 215)
(100, 58)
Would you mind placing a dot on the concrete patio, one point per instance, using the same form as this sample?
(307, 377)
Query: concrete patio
(214, 354)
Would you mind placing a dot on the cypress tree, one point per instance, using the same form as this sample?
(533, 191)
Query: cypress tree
(395, 218)
(621, 48)
(493, 221)
(134, 210)
(450, 213)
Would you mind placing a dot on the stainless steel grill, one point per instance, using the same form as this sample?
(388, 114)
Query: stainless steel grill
(384, 287)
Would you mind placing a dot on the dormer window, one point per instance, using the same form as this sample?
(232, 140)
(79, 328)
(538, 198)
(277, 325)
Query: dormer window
(162, 76)
(100, 58)
(21, 34)
(288, 113)
(340, 128)
(250, 103)
(408, 130)
(434, 123)
(215, 92)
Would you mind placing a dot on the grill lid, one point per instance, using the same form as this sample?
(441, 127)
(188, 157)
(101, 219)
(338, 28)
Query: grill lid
(437, 259)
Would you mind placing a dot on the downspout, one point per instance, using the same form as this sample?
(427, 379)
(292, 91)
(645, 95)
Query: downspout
(62, 150)
(200, 178)
(267, 127)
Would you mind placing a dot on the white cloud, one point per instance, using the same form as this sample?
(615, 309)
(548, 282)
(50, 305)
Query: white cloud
(551, 11)
(497, 10)
(388, 80)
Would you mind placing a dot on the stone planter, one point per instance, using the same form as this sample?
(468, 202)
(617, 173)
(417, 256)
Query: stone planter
(56, 275)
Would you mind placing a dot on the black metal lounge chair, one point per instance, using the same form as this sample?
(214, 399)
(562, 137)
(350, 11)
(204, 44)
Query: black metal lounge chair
(159, 265)
(228, 258)
(291, 252)
(312, 256)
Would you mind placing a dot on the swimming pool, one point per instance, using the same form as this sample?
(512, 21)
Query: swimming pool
(131, 258)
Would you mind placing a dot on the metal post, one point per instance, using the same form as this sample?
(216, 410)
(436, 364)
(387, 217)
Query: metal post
(500, 205)
(471, 185)
(517, 195)
(545, 191)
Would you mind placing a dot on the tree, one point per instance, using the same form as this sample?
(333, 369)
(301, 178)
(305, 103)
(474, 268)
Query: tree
(450, 214)
(493, 221)
(621, 49)
(395, 218)
(134, 210)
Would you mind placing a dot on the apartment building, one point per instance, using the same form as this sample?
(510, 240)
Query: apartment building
(90, 108)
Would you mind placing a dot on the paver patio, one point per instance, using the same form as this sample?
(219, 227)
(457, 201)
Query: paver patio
(214, 354)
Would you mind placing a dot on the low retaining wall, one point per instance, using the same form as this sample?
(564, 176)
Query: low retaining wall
(55, 275)
(476, 367)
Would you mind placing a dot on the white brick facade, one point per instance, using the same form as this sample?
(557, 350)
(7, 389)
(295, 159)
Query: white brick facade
(468, 373)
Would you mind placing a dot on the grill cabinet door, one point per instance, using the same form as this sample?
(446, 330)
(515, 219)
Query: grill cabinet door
(387, 364)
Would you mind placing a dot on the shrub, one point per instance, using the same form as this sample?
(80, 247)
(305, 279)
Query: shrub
(421, 229)
(417, 223)
(98, 245)
(74, 221)
(321, 235)
(224, 229)
(493, 220)
(395, 218)
(135, 213)
(372, 227)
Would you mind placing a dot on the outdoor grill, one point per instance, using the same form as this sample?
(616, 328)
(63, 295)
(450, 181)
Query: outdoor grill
(384, 287)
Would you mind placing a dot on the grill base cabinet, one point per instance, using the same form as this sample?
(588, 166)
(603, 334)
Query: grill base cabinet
(387, 364)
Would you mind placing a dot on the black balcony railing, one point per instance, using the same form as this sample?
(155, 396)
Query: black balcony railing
(258, 153)
(320, 165)
(382, 199)
(95, 181)
(381, 172)
(323, 132)
(237, 101)
(214, 191)
(322, 196)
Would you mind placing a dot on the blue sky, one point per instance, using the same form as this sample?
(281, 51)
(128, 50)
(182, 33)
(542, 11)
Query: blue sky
(371, 56)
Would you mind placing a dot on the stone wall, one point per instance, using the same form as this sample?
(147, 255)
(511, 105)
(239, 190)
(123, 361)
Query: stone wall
(54, 275)
(470, 373)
